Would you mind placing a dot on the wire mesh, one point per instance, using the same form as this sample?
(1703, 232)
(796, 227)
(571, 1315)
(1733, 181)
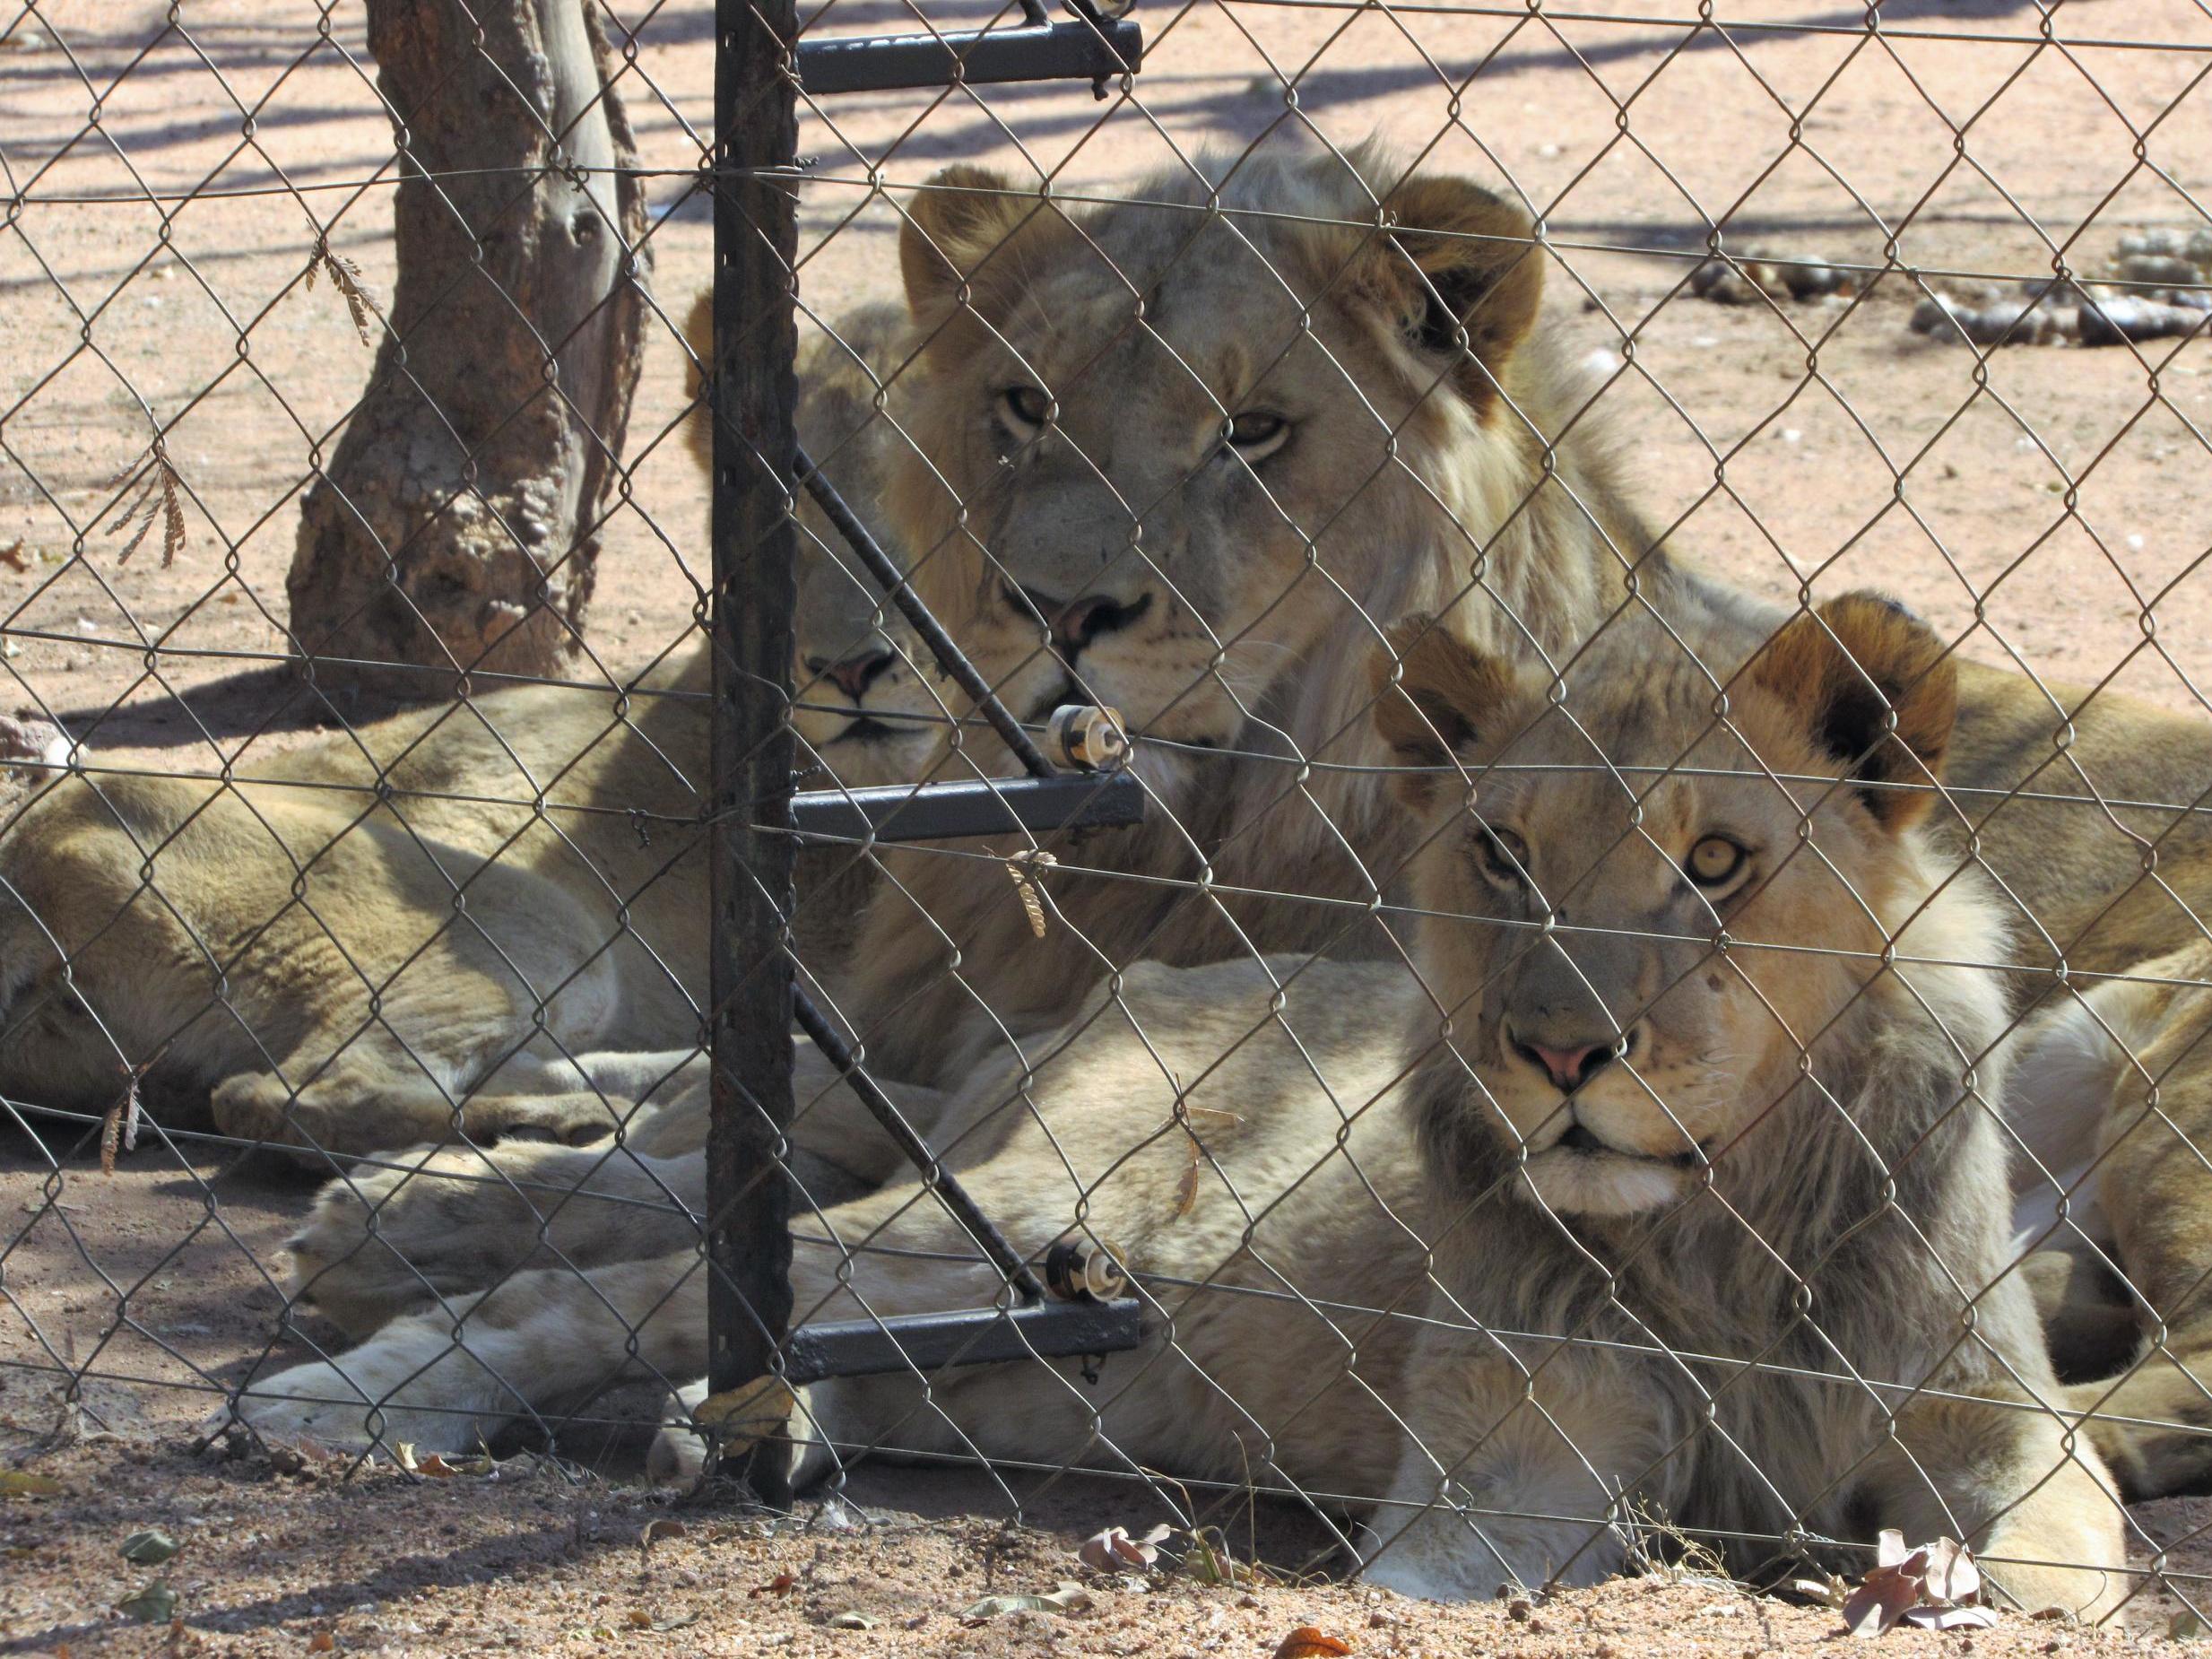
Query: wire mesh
(1648, 567)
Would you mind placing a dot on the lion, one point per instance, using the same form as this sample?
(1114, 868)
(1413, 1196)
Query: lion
(1219, 605)
(404, 931)
(1709, 1178)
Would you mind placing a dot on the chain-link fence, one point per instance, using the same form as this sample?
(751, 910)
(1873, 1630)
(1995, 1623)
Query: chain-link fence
(1434, 770)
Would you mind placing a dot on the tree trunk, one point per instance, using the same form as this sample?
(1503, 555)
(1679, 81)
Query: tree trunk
(457, 526)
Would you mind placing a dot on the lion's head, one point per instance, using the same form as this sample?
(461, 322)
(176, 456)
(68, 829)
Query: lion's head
(1643, 915)
(1185, 455)
(869, 702)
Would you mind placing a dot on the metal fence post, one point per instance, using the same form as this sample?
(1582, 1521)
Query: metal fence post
(755, 543)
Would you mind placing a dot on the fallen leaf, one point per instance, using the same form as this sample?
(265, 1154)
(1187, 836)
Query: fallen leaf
(637, 1619)
(149, 1548)
(1306, 1642)
(154, 1604)
(1881, 1599)
(677, 1623)
(852, 1620)
(322, 1642)
(782, 1584)
(653, 1531)
(1951, 1575)
(1933, 1586)
(1115, 1549)
(1068, 1598)
(24, 1483)
(11, 556)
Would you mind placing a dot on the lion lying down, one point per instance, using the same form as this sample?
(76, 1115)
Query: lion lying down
(1706, 1222)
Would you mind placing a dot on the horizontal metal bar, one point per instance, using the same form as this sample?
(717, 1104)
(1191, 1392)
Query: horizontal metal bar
(1080, 50)
(944, 811)
(981, 1337)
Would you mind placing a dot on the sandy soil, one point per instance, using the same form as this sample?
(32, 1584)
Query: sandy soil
(2051, 508)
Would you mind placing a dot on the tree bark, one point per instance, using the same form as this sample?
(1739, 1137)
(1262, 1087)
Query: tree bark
(457, 526)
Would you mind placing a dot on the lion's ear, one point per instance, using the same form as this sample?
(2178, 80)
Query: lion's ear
(1877, 690)
(954, 225)
(1434, 694)
(1460, 258)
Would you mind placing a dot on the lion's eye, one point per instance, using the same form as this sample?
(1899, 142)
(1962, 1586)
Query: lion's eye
(1256, 434)
(1025, 408)
(1714, 860)
(1506, 855)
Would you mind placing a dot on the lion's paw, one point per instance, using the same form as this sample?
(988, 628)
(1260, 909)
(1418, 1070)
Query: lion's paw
(678, 1454)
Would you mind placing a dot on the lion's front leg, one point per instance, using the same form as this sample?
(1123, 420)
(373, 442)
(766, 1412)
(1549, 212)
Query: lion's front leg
(447, 1221)
(1496, 1490)
(446, 1378)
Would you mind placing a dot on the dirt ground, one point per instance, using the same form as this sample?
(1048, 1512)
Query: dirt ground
(2051, 509)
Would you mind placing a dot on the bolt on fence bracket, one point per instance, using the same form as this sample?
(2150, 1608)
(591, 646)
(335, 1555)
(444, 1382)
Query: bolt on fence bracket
(1047, 799)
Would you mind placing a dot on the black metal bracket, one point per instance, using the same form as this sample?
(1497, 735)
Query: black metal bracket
(1081, 50)
(985, 806)
(981, 1337)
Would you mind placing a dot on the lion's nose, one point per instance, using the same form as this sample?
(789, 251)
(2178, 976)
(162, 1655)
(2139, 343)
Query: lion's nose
(856, 674)
(1573, 1064)
(1079, 621)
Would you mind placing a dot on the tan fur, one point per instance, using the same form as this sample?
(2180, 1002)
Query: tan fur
(2113, 1062)
(1322, 1174)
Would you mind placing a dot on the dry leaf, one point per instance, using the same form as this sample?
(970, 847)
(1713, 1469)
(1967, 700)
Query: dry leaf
(1114, 1550)
(850, 1620)
(346, 277)
(154, 1604)
(161, 494)
(1306, 1642)
(11, 556)
(1936, 1587)
(653, 1531)
(24, 1483)
(637, 1619)
(149, 1548)
(782, 1584)
(1186, 1189)
(1068, 1598)
(322, 1642)
(1025, 868)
